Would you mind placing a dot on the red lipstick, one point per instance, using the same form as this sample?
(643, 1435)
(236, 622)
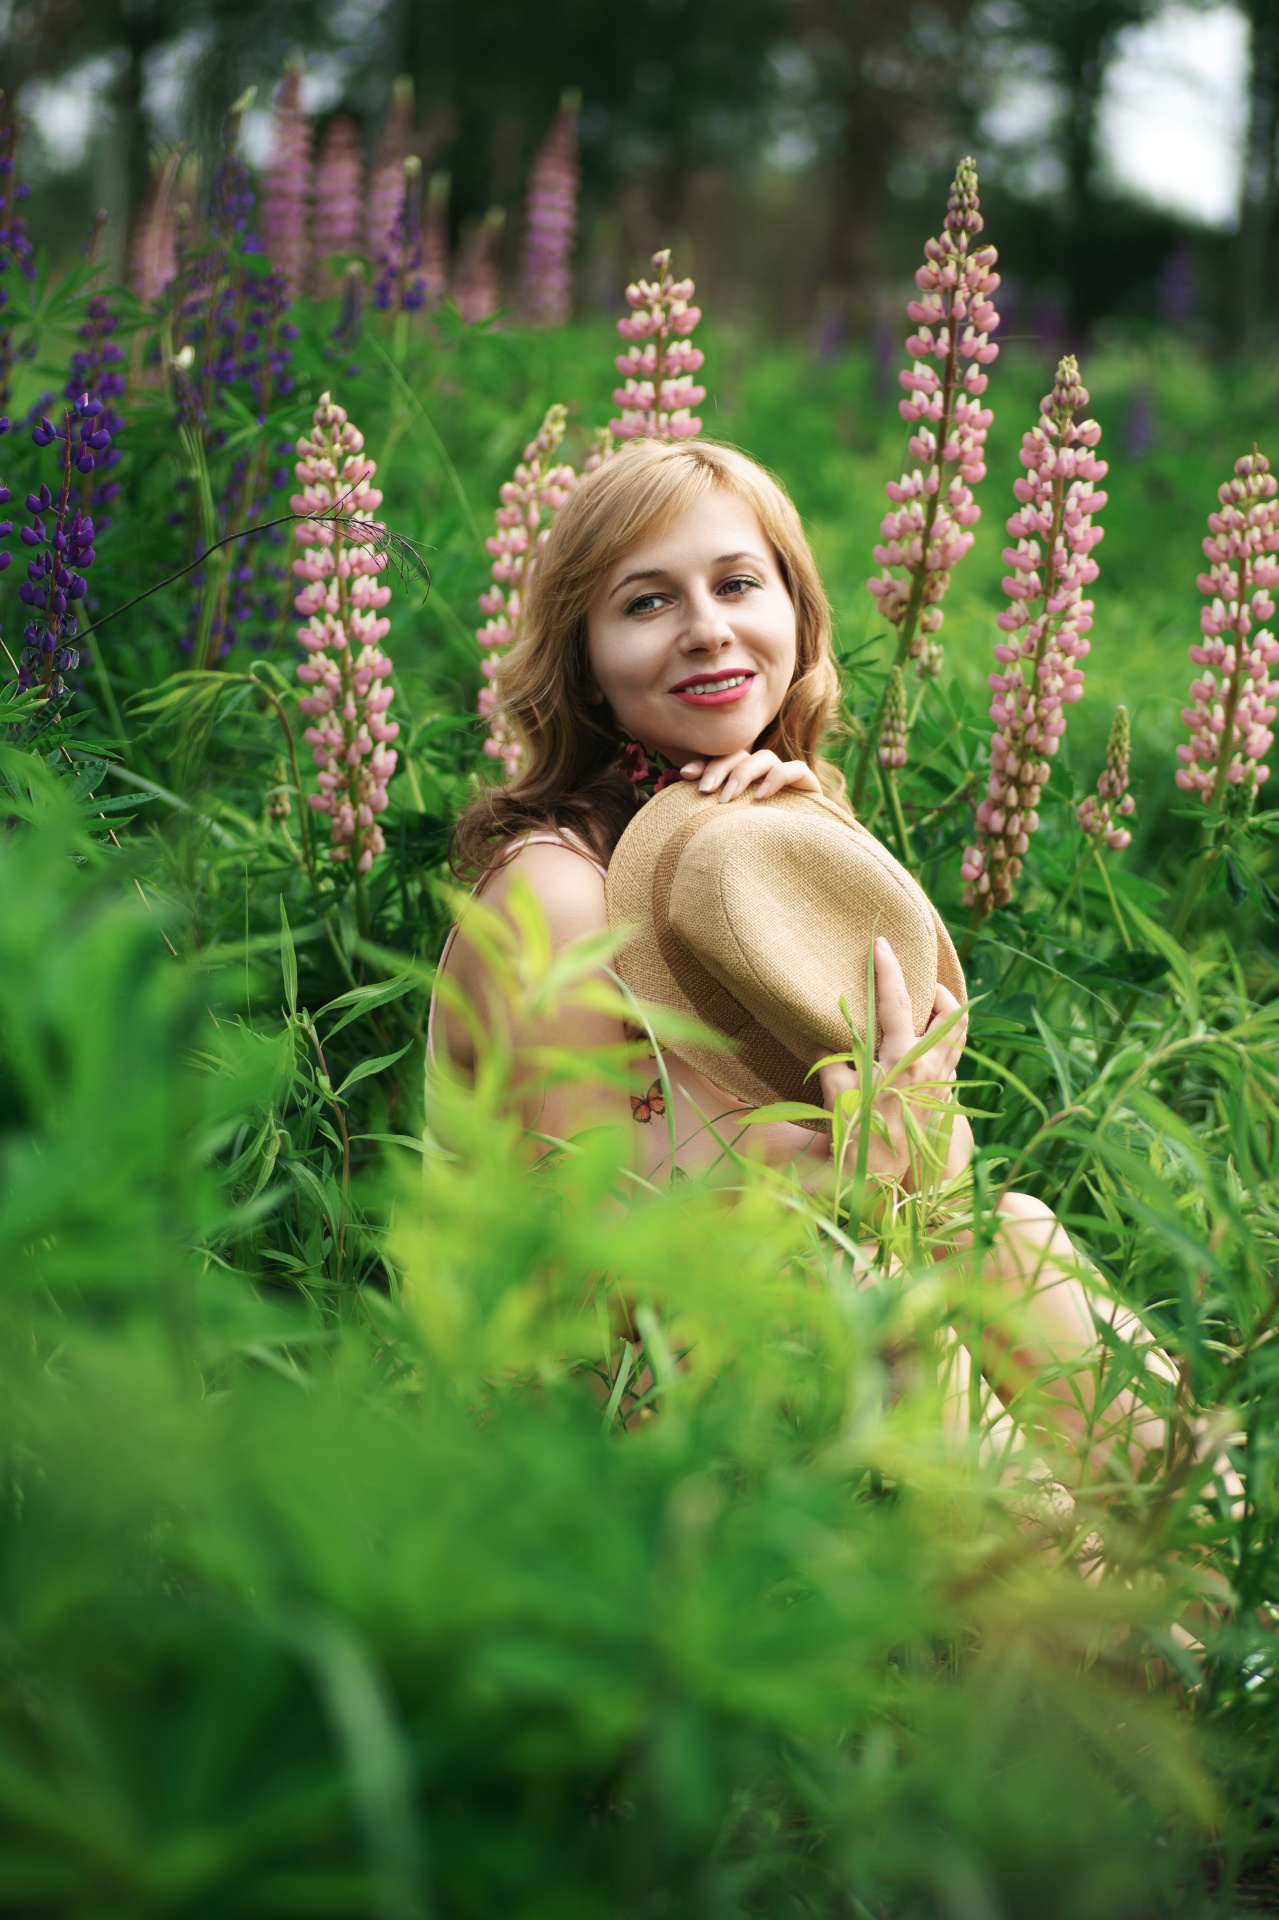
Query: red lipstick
(720, 689)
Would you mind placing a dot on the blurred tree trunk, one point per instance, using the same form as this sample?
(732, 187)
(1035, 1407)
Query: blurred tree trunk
(1257, 209)
(1079, 38)
(888, 85)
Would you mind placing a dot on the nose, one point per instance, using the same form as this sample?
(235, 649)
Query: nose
(707, 628)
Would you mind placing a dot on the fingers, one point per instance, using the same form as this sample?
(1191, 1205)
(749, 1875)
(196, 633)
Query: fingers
(710, 775)
(835, 1079)
(953, 1043)
(794, 774)
(892, 1005)
(733, 773)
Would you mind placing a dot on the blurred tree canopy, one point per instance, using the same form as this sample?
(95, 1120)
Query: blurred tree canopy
(694, 113)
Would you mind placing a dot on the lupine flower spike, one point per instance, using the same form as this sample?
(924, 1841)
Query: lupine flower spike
(530, 501)
(96, 369)
(1100, 812)
(386, 186)
(892, 733)
(550, 227)
(286, 182)
(928, 528)
(341, 603)
(15, 247)
(61, 536)
(1233, 700)
(401, 283)
(477, 292)
(1047, 627)
(659, 394)
(335, 217)
(154, 259)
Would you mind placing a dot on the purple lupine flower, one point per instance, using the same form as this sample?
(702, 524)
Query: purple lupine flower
(1099, 813)
(6, 526)
(337, 204)
(1141, 426)
(286, 182)
(401, 282)
(15, 246)
(530, 501)
(928, 528)
(1233, 699)
(232, 318)
(342, 603)
(61, 539)
(1047, 627)
(659, 394)
(476, 291)
(550, 221)
(96, 369)
(349, 330)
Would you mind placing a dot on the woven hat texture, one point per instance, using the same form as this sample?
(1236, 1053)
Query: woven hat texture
(757, 916)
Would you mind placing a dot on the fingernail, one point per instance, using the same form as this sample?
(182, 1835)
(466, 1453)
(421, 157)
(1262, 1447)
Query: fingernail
(881, 945)
(690, 767)
(727, 793)
(704, 786)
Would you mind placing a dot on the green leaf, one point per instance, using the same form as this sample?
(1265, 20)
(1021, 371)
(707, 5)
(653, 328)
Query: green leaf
(288, 961)
(785, 1110)
(368, 1067)
(362, 999)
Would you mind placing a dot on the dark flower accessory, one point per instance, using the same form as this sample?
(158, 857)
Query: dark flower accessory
(645, 773)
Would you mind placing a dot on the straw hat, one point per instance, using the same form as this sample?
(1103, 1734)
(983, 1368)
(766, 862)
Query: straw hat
(757, 916)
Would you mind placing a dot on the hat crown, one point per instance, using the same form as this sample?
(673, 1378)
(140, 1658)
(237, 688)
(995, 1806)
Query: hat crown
(758, 916)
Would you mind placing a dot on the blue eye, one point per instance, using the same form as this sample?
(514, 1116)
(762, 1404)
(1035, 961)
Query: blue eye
(741, 580)
(643, 602)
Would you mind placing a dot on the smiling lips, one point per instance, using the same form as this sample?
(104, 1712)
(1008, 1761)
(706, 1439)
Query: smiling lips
(715, 689)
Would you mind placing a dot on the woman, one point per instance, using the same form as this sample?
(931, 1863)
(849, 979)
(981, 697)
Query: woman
(676, 627)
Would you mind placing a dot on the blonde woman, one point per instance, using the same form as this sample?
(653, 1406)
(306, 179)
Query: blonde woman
(676, 628)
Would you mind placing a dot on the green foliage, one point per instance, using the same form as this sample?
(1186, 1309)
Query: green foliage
(392, 1528)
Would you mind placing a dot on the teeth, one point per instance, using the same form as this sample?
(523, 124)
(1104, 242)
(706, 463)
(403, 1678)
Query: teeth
(717, 686)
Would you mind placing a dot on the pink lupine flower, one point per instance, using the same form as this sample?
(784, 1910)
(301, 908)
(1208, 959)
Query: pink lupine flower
(550, 222)
(386, 183)
(530, 500)
(338, 203)
(477, 291)
(928, 529)
(155, 247)
(1098, 812)
(286, 182)
(1047, 627)
(341, 603)
(659, 394)
(1233, 700)
(892, 732)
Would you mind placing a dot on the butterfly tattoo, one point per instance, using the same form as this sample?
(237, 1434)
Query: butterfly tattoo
(644, 1107)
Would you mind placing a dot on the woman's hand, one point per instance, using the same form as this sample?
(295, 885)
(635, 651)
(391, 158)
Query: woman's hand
(732, 773)
(932, 1073)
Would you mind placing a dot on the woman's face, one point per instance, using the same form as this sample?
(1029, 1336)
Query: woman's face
(692, 636)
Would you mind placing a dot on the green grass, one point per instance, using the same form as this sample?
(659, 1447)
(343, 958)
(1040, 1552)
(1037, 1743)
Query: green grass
(326, 1584)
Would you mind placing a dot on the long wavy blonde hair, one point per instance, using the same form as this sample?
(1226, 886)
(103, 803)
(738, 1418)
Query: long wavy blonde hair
(568, 776)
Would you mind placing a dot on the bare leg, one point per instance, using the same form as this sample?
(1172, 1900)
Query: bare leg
(1040, 1337)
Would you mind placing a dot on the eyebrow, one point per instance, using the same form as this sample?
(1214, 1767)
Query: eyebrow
(659, 573)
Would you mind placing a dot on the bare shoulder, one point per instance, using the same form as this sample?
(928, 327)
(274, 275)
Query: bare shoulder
(569, 889)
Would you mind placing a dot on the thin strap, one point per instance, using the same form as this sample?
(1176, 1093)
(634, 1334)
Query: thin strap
(526, 840)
